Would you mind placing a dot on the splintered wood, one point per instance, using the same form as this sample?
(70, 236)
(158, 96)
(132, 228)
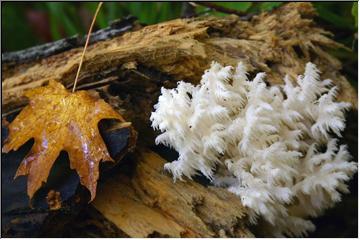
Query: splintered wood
(151, 203)
(139, 63)
(277, 43)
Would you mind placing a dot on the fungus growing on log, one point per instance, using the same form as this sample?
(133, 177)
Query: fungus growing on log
(275, 147)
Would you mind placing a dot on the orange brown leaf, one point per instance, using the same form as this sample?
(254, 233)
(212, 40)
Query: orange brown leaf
(60, 120)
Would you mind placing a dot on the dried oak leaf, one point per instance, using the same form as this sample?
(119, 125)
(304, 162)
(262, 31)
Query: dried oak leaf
(60, 120)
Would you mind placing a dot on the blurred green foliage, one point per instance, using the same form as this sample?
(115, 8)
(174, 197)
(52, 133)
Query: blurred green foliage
(354, 12)
(26, 24)
(246, 7)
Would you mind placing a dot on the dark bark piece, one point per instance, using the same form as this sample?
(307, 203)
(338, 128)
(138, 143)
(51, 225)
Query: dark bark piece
(116, 28)
(90, 223)
(20, 218)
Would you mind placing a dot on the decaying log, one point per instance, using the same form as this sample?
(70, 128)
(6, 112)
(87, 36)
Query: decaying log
(128, 72)
(149, 202)
(277, 43)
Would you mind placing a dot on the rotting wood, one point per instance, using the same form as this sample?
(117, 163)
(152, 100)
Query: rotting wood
(277, 43)
(137, 64)
(150, 202)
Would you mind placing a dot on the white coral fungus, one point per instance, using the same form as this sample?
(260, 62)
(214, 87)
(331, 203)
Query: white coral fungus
(274, 147)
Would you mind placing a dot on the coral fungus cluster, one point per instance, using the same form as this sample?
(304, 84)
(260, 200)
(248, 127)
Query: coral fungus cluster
(273, 146)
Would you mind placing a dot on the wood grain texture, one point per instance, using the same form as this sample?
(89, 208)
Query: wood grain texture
(278, 43)
(150, 202)
(135, 65)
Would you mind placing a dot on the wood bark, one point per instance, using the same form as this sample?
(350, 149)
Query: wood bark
(128, 72)
(277, 43)
(150, 202)
(116, 28)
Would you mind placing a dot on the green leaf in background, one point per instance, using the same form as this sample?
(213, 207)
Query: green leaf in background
(101, 20)
(267, 6)
(336, 14)
(16, 34)
(60, 19)
(145, 12)
(154, 12)
(354, 12)
(239, 6)
(169, 10)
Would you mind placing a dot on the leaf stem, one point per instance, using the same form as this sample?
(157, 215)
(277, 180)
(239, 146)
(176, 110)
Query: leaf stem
(86, 44)
(219, 8)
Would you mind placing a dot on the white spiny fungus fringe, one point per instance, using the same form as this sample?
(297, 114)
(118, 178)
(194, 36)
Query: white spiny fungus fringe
(273, 146)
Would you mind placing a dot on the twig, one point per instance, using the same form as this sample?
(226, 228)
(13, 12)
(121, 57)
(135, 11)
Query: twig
(97, 84)
(11, 112)
(86, 44)
(219, 8)
(188, 10)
